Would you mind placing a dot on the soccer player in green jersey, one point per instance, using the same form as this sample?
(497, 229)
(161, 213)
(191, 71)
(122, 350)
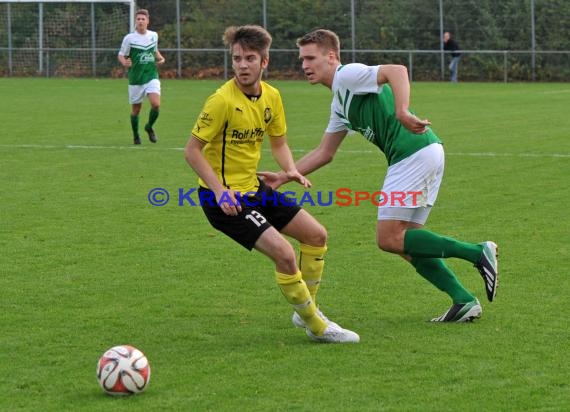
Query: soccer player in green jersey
(373, 100)
(224, 151)
(139, 54)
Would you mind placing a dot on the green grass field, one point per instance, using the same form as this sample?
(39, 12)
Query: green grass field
(87, 263)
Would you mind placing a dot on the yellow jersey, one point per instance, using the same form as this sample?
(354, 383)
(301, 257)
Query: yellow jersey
(232, 127)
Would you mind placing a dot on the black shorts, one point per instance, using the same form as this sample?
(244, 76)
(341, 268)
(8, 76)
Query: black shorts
(259, 211)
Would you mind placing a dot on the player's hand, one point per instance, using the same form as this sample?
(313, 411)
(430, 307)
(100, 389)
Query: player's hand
(272, 179)
(128, 63)
(228, 202)
(413, 123)
(299, 178)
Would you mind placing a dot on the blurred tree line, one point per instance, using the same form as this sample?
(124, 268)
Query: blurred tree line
(385, 25)
(392, 26)
(379, 24)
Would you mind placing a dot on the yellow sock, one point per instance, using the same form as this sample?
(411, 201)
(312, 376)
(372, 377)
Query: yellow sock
(295, 291)
(311, 265)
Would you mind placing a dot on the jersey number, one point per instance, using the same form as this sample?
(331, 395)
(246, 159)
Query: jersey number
(257, 218)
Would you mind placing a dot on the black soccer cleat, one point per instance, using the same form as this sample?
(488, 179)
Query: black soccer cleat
(151, 135)
(137, 140)
(488, 267)
(461, 312)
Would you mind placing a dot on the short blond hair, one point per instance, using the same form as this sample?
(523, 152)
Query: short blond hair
(327, 40)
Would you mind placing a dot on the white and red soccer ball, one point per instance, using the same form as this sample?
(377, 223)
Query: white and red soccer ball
(123, 370)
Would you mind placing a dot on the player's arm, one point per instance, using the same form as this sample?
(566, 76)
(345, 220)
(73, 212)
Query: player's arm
(195, 158)
(318, 157)
(322, 154)
(124, 60)
(159, 57)
(124, 52)
(282, 155)
(397, 76)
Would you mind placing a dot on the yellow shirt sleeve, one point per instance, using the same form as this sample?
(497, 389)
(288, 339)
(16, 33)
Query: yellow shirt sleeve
(277, 126)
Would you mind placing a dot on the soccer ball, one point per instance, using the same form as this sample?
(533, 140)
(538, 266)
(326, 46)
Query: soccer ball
(123, 370)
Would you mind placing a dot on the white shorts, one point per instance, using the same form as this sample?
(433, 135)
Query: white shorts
(411, 186)
(139, 91)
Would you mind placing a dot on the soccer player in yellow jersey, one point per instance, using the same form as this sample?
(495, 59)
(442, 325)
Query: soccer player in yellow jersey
(224, 151)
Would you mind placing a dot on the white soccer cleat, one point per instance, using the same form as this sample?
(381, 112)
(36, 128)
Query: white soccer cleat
(334, 334)
(300, 323)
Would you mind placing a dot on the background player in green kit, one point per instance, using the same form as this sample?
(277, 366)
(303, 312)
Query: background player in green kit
(139, 53)
(363, 102)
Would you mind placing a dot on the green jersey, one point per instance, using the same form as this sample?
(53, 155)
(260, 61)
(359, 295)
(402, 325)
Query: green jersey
(141, 49)
(361, 105)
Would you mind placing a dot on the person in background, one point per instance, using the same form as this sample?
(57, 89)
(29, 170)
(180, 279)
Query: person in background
(451, 46)
(139, 54)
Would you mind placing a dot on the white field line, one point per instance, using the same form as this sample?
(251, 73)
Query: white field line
(556, 91)
(375, 152)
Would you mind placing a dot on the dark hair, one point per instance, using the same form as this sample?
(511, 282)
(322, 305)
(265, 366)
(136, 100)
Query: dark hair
(250, 37)
(325, 39)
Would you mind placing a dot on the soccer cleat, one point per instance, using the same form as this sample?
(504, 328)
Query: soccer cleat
(488, 267)
(151, 135)
(300, 323)
(137, 140)
(334, 334)
(463, 312)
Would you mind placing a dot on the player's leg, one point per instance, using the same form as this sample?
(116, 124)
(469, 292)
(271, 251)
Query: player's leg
(293, 221)
(136, 94)
(289, 279)
(252, 229)
(423, 173)
(312, 237)
(289, 219)
(400, 228)
(422, 243)
(152, 89)
(465, 306)
(433, 269)
(395, 237)
(135, 110)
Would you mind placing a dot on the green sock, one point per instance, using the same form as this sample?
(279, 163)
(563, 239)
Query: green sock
(438, 274)
(135, 125)
(152, 116)
(422, 243)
